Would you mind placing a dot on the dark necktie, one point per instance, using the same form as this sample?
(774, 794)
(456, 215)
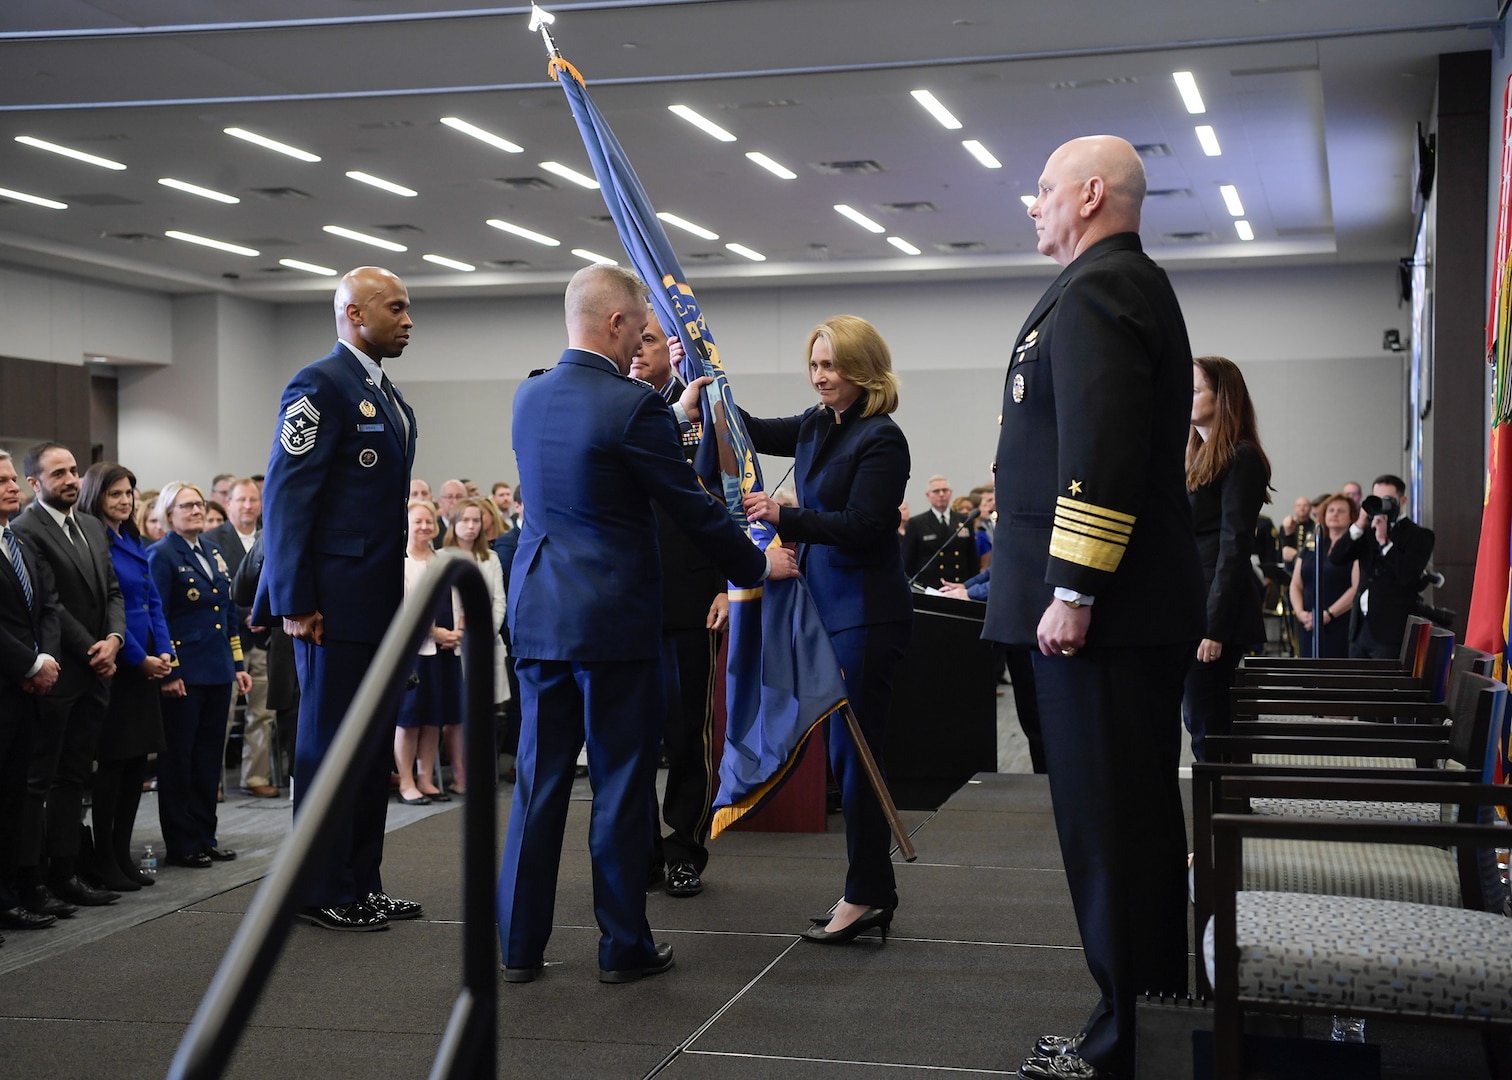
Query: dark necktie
(199, 553)
(388, 391)
(73, 532)
(15, 561)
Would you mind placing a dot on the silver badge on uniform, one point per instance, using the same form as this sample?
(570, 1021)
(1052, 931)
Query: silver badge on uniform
(368, 458)
(1018, 388)
(300, 424)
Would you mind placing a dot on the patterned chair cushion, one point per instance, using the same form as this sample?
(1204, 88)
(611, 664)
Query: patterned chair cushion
(1325, 761)
(1398, 872)
(1346, 953)
(1338, 808)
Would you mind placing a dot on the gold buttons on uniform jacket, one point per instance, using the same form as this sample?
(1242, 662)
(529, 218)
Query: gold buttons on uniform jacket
(217, 626)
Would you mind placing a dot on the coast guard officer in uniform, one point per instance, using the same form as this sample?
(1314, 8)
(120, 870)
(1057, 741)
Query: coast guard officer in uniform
(334, 534)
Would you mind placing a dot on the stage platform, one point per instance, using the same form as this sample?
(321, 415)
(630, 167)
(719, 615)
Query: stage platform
(983, 957)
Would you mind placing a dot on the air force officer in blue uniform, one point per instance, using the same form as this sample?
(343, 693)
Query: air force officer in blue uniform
(594, 448)
(334, 533)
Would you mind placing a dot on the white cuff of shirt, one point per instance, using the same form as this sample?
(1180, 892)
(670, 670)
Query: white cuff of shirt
(42, 658)
(681, 416)
(1071, 596)
(1355, 532)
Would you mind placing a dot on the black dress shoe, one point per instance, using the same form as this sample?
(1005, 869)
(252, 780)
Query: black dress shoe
(111, 877)
(523, 974)
(419, 800)
(198, 861)
(395, 908)
(39, 901)
(355, 916)
(218, 854)
(73, 891)
(662, 961)
(18, 918)
(143, 878)
(877, 918)
(1056, 1045)
(683, 880)
(1060, 1067)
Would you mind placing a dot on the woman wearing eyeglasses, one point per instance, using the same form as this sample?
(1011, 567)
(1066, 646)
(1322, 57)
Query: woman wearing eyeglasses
(192, 578)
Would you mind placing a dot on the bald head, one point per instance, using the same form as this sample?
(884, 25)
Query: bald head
(372, 312)
(1092, 187)
(606, 312)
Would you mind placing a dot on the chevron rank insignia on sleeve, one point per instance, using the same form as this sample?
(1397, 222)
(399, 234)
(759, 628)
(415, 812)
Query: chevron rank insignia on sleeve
(301, 422)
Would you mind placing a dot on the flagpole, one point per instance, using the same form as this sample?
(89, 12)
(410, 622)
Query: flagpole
(874, 775)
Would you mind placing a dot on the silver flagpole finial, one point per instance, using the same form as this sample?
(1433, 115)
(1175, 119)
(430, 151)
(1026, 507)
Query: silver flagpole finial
(540, 19)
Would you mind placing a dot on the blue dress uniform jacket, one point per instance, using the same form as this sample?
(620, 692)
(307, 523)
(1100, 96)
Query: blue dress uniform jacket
(200, 613)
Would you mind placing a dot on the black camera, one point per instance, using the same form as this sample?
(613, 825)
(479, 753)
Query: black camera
(1382, 505)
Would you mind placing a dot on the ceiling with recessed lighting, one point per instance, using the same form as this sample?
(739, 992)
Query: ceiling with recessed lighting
(1312, 107)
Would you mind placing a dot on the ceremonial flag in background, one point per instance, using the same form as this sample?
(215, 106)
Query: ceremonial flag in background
(783, 677)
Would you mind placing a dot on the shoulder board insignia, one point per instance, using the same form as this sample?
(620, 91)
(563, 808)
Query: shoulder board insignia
(537, 371)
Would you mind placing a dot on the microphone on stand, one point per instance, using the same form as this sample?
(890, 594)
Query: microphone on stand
(976, 513)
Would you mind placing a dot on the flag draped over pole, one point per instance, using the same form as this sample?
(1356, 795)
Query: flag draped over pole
(1487, 628)
(783, 678)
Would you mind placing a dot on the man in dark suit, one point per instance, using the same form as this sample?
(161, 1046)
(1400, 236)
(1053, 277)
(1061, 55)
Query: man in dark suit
(1095, 565)
(334, 529)
(235, 537)
(30, 641)
(585, 621)
(92, 616)
(695, 611)
(923, 558)
(1393, 551)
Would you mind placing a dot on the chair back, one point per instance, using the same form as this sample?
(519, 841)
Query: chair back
(1435, 657)
(1412, 642)
(1479, 709)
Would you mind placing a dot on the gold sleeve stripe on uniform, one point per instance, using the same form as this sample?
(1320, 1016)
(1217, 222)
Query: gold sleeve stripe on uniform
(1076, 527)
(1094, 522)
(1085, 550)
(1101, 511)
(236, 648)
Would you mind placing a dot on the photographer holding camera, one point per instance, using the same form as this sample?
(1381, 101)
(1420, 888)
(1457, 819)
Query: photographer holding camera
(1393, 552)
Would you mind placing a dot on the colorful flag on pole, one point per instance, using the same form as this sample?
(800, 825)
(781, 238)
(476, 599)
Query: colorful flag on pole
(783, 677)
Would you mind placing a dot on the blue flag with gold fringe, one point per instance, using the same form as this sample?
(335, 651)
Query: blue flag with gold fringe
(783, 677)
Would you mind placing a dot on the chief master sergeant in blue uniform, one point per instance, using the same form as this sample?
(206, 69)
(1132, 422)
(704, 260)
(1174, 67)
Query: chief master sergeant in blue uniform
(334, 533)
(594, 448)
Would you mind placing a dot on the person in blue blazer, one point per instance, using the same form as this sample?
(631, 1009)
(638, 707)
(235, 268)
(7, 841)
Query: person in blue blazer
(334, 534)
(595, 447)
(851, 467)
(133, 725)
(190, 574)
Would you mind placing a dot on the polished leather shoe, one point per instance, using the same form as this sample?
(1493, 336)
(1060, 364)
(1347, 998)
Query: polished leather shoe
(683, 880)
(355, 916)
(1056, 1045)
(662, 962)
(395, 908)
(877, 918)
(18, 918)
(39, 901)
(261, 791)
(220, 854)
(419, 800)
(198, 861)
(1060, 1067)
(523, 974)
(73, 891)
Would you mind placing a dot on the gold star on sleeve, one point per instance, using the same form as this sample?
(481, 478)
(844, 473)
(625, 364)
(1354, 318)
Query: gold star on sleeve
(1075, 488)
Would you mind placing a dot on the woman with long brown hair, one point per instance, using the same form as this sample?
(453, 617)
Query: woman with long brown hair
(1228, 480)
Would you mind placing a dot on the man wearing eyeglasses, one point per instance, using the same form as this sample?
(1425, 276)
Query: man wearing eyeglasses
(927, 556)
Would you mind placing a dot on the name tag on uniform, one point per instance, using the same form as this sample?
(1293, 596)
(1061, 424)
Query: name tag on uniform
(369, 427)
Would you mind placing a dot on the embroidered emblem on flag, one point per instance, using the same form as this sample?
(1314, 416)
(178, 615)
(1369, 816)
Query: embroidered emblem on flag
(300, 424)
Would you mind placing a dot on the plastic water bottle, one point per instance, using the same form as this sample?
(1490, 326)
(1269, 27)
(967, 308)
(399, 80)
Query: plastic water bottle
(148, 862)
(1348, 1029)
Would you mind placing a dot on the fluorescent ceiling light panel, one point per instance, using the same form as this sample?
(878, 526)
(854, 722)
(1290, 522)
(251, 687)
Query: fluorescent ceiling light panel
(270, 144)
(981, 153)
(218, 245)
(496, 141)
(687, 226)
(309, 268)
(380, 182)
(35, 200)
(202, 192)
(1231, 199)
(774, 167)
(903, 245)
(1242, 227)
(1028, 200)
(938, 111)
(745, 252)
(77, 155)
(364, 238)
(570, 174)
(859, 218)
(454, 264)
(702, 123)
(594, 257)
(1190, 96)
(528, 234)
(1209, 140)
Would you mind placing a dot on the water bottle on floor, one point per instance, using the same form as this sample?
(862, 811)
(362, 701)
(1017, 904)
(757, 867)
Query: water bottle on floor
(148, 863)
(1348, 1029)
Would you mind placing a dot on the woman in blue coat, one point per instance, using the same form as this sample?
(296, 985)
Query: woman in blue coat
(851, 468)
(133, 727)
(192, 578)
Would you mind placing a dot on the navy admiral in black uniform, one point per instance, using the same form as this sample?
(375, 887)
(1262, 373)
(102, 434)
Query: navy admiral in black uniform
(925, 535)
(334, 534)
(1095, 563)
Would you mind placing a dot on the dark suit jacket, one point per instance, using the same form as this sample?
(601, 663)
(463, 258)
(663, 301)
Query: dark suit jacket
(26, 630)
(225, 537)
(1091, 476)
(850, 477)
(89, 597)
(283, 679)
(334, 518)
(1224, 514)
(1392, 579)
(586, 581)
(922, 537)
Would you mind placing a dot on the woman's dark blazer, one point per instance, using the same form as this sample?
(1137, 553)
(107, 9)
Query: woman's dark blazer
(1224, 513)
(200, 613)
(850, 478)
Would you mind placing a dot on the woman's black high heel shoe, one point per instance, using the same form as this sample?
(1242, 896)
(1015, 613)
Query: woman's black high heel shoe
(871, 919)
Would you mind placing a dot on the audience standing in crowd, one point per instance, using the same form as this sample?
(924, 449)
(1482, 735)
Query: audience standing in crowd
(475, 518)
(502, 495)
(1340, 583)
(419, 489)
(192, 577)
(505, 546)
(220, 489)
(1294, 527)
(149, 524)
(1393, 551)
(437, 698)
(215, 515)
(452, 491)
(927, 557)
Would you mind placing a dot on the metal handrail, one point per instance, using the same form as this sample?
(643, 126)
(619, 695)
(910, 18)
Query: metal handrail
(468, 1047)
